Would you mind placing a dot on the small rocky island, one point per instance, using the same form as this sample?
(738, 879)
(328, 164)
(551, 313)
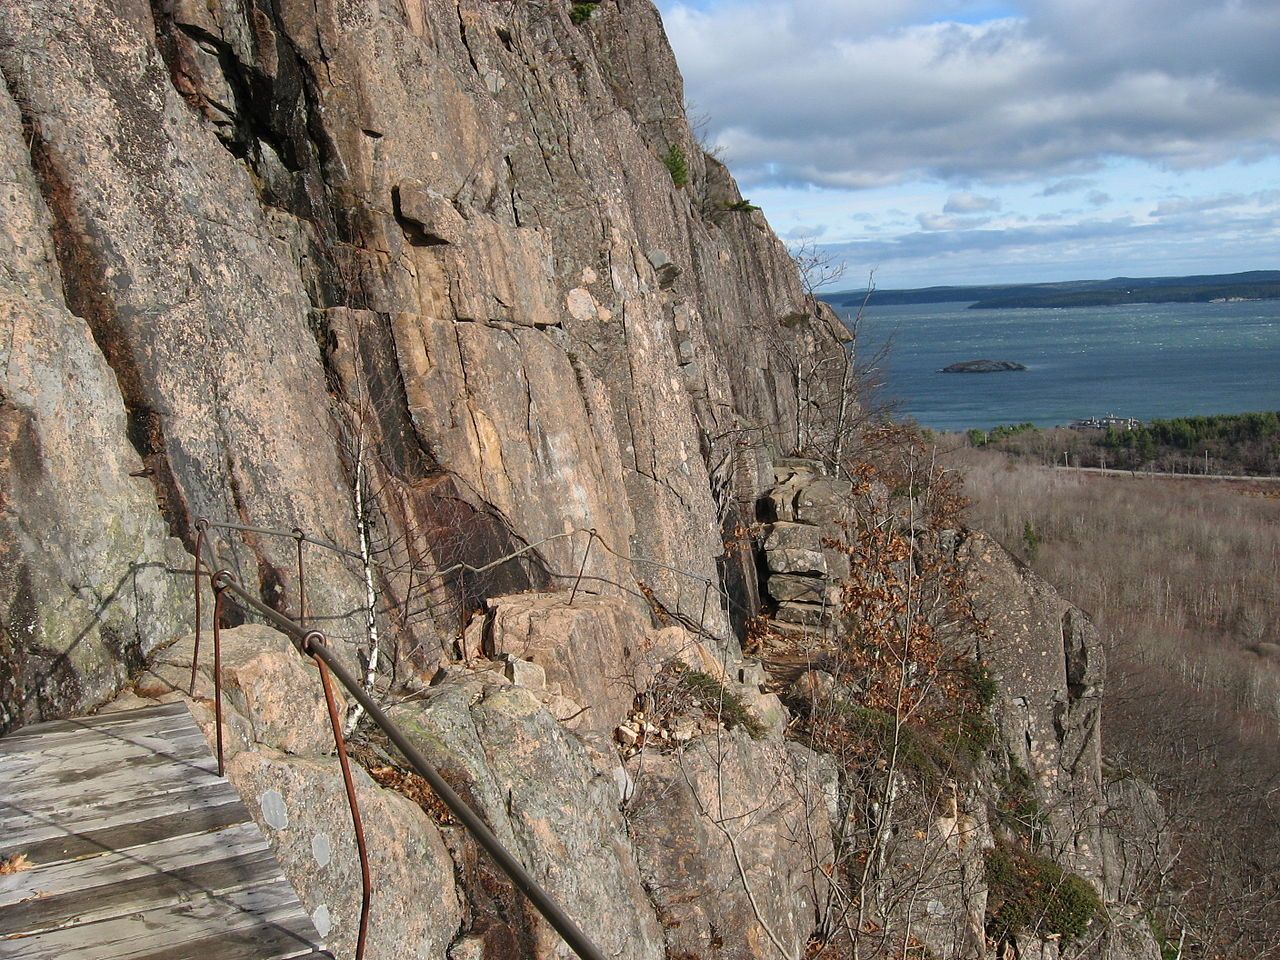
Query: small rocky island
(983, 366)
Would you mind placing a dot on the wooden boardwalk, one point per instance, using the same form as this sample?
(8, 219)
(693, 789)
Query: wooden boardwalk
(138, 848)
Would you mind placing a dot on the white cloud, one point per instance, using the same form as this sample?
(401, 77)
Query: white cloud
(934, 221)
(970, 203)
(1069, 185)
(856, 94)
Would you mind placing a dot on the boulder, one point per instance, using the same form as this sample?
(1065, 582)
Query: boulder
(301, 805)
(432, 217)
(824, 501)
(595, 649)
(723, 803)
(545, 797)
(265, 681)
(785, 587)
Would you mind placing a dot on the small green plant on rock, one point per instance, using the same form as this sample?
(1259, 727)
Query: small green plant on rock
(741, 206)
(983, 685)
(581, 12)
(1169, 950)
(969, 735)
(680, 704)
(1019, 810)
(1030, 893)
(677, 165)
(715, 699)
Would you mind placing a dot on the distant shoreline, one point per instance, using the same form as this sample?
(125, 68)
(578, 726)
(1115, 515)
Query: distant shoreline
(1206, 288)
(1194, 294)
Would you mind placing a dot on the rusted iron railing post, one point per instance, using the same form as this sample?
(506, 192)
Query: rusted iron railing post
(221, 581)
(591, 538)
(366, 884)
(302, 580)
(201, 527)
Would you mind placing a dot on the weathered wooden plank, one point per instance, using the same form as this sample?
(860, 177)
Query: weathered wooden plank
(55, 730)
(20, 826)
(116, 867)
(265, 919)
(69, 745)
(57, 759)
(278, 941)
(140, 849)
(37, 765)
(61, 845)
(143, 891)
(111, 783)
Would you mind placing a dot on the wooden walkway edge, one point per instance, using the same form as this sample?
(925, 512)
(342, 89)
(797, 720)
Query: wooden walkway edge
(138, 849)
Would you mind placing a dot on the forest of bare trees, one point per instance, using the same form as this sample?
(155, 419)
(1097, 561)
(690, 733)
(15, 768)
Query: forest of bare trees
(1181, 579)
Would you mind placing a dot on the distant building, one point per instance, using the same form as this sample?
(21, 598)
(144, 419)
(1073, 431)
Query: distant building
(1109, 422)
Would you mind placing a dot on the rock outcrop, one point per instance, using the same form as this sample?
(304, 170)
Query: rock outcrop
(983, 366)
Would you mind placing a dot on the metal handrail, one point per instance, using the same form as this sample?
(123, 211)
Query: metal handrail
(312, 643)
(593, 536)
(294, 534)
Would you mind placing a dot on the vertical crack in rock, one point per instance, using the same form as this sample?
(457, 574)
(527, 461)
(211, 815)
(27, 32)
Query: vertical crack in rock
(87, 295)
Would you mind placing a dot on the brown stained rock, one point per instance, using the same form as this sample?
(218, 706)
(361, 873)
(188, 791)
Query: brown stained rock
(525, 431)
(595, 649)
(301, 806)
(272, 687)
(761, 790)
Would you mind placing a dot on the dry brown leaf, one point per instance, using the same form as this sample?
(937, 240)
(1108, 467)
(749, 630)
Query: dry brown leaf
(15, 864)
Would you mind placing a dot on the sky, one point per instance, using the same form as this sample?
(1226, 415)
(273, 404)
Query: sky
(963, 141)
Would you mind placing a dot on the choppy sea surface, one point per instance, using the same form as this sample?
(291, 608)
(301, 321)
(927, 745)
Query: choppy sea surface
(1147, 361)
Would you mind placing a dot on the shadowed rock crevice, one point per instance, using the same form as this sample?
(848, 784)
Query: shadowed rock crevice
(84, 269)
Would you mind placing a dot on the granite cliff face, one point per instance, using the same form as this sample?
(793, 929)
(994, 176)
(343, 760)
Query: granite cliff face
(419, 269)
(444, 227)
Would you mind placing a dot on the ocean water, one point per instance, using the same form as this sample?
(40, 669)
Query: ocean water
(1135, 360)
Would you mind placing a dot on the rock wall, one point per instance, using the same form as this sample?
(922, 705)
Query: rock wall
(437, 234)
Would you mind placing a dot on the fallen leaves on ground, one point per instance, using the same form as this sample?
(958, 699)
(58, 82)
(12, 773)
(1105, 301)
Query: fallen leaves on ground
(15, 864)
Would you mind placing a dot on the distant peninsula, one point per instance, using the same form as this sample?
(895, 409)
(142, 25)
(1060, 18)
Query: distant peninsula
(982, 366)
(1208, 288)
